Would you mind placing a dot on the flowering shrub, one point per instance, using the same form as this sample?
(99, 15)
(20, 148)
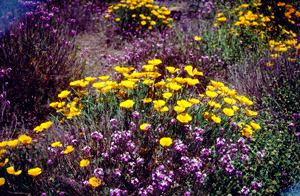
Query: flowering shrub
(125, 140)
(138, 15)
(167, 126)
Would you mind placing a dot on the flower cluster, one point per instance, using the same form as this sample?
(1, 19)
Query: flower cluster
(135, 15)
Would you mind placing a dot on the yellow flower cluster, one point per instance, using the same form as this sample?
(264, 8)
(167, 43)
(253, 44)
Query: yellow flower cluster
(261, 25)
(142, 12)
(228, 105)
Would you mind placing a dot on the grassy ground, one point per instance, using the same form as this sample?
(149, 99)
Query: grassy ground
(149, 98)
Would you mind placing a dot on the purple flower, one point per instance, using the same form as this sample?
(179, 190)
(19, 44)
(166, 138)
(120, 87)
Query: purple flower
(255, 185)
(179, 146)
(245, 190)
(86, 183)
(229, 168)
(135, 114)
(61, 193)
(199, 130)
(125, 157)
(73, 32)
(139, 160)
(220, 142)
(205, 152)
(187, 194)
(43, 194)
(134, 181)
(173, 121)
(98, 172)
(298, 134)
(49, 162)
(117, 172)
(97, 136)
(113, 121)
(239, 173)
(244, 157)
(130, 145)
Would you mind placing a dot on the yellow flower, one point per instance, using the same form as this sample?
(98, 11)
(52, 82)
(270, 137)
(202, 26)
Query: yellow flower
(255, 126)
(35, 171)
(2, 181)
(127, 84)
(2, 152)
(211, 88)
(3, 144)
(184, 117)
(127, 104)
(250, 113)
(229, 101)
(206, 114)
(247, 130)
(53, 104)
(95, 182)
(153, 23)
(184, 103)
(191, 81)
(173, 86)
(155, 62)
(13, 143)
(73, 112)
(12, 171)
(133, 15)
(214, 104)
(222, 19)
(244, 5)
(179, 109)
(145, 126)
(90, 79)
(46, 125)
(150, 67)
(147, 100)
(117, 19)
(38, 129)
(180, 80)
(69, 149)
(84, 163)
(83, 83)
(228, 111)
(123, 69)
(196, 38)
(107, 16)
(216, 84)
(104, 78)
(56, 144)
(24, 139)
(172, 69)
(148, 82)
(143, 22)
(235, 108)
(167, 95)
(216, 119)
(194, 101)
(99, 85)
(64, 94)
(192, 72)
(164, 109)
(211, 94)
(165, 141)
(2, 164)
(75, 83)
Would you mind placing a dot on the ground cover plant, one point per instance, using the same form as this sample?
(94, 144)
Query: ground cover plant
(206, 110)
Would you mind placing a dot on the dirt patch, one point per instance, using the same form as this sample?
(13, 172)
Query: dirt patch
(94, 49)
